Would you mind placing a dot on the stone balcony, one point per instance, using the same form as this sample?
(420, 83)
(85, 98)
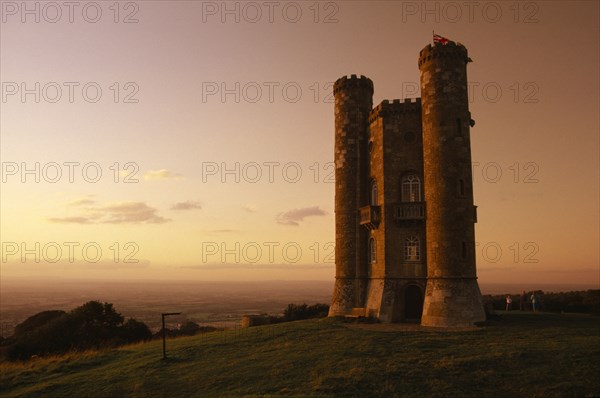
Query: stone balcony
(406, 211)
(370, 216)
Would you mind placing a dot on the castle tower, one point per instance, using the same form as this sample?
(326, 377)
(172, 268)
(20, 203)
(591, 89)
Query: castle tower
(452, 295)
(353, 102)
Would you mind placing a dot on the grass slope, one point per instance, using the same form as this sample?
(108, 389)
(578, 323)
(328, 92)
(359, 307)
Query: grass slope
(525, 354)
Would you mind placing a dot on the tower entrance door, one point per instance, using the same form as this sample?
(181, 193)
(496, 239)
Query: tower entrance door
(413, 302)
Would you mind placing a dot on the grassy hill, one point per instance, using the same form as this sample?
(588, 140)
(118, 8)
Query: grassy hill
(525, 354)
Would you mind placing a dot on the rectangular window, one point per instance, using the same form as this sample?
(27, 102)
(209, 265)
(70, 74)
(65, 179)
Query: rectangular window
(412, 249)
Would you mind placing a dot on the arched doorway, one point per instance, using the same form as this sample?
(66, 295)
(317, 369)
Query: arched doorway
(413, 302)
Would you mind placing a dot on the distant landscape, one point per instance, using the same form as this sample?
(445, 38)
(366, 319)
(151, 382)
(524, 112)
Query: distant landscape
(220, 304)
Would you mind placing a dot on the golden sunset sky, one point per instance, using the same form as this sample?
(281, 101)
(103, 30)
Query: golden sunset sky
(212, 126)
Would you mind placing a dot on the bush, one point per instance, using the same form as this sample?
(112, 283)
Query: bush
(189, 328)
(295, 312)
(92, 325)
(36, 321)
(134, 331)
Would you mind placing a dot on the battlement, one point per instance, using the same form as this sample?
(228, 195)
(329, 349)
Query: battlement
(408, 106)
(448, 51)
(353, 81)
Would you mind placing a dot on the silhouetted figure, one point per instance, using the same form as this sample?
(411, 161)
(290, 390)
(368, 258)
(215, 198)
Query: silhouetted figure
(523, 302)
(534, 302)
(508, 302)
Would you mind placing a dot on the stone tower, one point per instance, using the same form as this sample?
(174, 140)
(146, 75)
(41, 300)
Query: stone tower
(452, 295)
(404, 213)
(353, 102)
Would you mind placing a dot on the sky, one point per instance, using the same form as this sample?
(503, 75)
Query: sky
(193, 140)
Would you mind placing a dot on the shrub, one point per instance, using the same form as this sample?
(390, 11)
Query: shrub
(92, 325)
(295, 312)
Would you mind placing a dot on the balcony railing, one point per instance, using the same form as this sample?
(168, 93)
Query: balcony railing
(370, 216)
(409, 211)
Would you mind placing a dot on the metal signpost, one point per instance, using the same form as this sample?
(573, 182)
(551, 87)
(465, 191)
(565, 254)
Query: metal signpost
(164, 331)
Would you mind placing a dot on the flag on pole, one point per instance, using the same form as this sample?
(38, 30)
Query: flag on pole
(440, 39)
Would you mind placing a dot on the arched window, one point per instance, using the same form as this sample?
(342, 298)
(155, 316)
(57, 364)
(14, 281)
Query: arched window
(372, 251)
(411, 188)
(373, 193)
(412, 249)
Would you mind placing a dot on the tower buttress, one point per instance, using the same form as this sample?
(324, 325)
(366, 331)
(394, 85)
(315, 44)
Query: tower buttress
(452, 295)
(353, 103)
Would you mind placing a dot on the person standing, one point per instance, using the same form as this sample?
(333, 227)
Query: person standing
(508, 302)
(523, 302)
(534, 302)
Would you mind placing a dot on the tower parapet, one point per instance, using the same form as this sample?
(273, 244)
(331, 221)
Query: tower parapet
(395, 107)
(353, 82)
(448, 51)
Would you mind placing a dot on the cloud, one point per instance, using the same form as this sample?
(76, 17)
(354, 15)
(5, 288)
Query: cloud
(86, 200)
(69, 220)
(294, 216)
(217, 232)
(187, 205)
(161, 174)
(250, 208)
(130, 212)
(128, 175)
(114, 213)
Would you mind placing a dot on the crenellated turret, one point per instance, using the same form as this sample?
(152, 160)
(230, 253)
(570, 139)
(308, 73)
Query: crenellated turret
(353, 103)
(452, 295)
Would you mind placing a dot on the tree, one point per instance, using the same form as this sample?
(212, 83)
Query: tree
(92, 325)
(189, 328)
(36, 321)
(133, 331)
(96, 324)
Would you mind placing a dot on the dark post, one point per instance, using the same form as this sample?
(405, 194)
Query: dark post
(164, 332)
